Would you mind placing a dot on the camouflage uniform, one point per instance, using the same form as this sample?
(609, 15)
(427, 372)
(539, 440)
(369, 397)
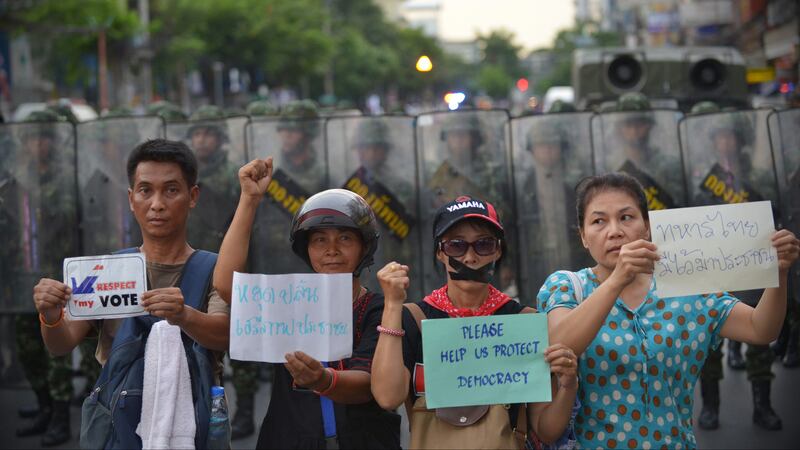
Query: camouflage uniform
(50, 238)
(166, 110)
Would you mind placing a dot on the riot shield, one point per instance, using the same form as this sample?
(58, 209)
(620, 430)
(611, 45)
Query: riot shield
(374, 157)
(784, 132)
(298, 151)
(551, 154)
(217, 146)
(107, 223)
(727, 159)
(38, 207)
(464, 153)
(643, 144)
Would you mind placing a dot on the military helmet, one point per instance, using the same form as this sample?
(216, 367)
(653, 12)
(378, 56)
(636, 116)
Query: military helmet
(705, 107)
(168, 111)
(261, 108)
(459, 122)
(39, 121)
(735, 122)
(335, 208)
(637, 105)
(372, 132)
(210, 117)
(560, 106)
(300, 115)
(545, 133)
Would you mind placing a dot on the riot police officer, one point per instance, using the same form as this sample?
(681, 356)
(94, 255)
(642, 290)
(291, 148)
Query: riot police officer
(170, 112)
(45, 237)
(731, 134)
(261, 108)
(298, 126)
(216, 177)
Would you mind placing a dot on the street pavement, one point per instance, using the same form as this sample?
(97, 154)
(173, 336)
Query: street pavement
(736, 431)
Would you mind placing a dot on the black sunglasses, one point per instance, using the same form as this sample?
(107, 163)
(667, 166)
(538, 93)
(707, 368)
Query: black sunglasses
(458, 247)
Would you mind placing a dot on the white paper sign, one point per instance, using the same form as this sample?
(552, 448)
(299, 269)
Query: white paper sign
(272, 315)
(106, 287)
(711, 249)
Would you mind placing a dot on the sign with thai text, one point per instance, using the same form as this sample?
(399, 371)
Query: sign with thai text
(710, 249)
(106, 287)
(485, 360)
(272, 315)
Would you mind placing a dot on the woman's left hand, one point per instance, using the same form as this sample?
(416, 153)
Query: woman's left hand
(306, 371)
(564, 364)
(788, 248)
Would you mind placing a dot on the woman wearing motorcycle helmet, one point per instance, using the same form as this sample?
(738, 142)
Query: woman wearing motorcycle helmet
(313, 405)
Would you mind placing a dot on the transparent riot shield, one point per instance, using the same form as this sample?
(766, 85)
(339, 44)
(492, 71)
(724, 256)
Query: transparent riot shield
(643, 144)
(464, 153)
(38, 207)
(784, 132)
(217, 144)
(551, 154)
(107, 223)
(727, 159)
(374, 157)
(298, 151)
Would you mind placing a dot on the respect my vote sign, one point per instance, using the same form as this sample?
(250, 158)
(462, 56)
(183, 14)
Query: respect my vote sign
(485, 360)
(272, 315)
(711, 249)
(105, 287)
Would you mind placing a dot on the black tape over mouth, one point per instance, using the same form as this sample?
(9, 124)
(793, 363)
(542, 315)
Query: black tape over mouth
(462, 272)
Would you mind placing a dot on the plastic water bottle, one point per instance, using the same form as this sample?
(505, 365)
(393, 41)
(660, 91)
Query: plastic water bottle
(219, 429)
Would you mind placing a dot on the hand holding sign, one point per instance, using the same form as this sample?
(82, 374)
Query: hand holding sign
(788, 247)
(563, 363)
(306, 371)
(634, 258)
(394, 281)
(50, 297)
(166, 303)
(254, 177)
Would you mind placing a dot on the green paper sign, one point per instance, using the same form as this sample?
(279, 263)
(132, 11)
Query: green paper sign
(485, 360)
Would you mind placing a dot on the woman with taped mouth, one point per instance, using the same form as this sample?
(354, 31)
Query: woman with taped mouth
(316, 405)
(640, 355)
(469, 242)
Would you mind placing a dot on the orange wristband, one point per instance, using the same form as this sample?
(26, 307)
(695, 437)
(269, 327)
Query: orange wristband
(334, 378)
(53, 325)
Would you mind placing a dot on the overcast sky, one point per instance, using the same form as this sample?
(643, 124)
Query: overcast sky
(534, 22)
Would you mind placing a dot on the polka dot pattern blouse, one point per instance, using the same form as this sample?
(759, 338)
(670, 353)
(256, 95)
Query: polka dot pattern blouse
(638, 374)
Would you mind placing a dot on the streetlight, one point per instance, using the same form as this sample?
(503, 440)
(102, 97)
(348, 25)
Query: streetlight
(424, 64)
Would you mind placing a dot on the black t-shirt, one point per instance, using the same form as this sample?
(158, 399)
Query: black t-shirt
(294, 417)
(412, 341)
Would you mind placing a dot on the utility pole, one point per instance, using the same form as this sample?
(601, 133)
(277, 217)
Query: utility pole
(145, 53)
(103, 69)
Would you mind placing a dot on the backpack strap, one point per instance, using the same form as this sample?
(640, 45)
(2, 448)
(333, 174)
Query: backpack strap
(196, 278)
(577, 286)
(127, 250)
(417, 313)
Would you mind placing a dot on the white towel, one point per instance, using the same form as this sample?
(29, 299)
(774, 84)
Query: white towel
(167, 420)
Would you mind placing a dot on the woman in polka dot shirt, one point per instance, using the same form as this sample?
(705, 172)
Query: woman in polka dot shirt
(640, 355)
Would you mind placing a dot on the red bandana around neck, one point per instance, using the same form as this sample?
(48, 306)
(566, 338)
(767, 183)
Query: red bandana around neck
(439, 300)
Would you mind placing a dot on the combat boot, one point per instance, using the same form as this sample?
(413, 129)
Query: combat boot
(790, 359)
(763, 414)
(58, 431)
(243, 425)
(39, 418)
(709, 416)
(735, 359)
(42, 400)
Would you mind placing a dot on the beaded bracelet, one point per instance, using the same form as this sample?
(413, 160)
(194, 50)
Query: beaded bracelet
(334, 378)
(53, 325)
(390, 331)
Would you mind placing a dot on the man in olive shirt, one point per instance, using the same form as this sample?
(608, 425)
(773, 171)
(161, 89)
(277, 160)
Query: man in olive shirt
(163, 189)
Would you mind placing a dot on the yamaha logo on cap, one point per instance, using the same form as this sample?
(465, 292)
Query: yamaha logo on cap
(464, 207)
